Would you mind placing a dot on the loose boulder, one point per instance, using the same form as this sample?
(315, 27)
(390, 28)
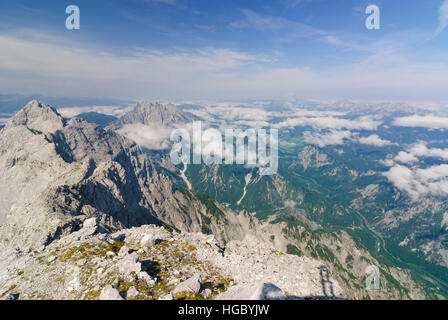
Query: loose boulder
(191, 286)
(109, 293)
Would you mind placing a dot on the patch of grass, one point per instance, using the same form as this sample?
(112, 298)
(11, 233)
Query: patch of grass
(116, 246)
(292, 249)
(11, 288)
(279, 253)
(206, 230)
(123, 286)
(92, 295)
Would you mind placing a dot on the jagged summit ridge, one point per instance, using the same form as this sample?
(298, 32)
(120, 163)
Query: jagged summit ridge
(38, 116)
(153, 114)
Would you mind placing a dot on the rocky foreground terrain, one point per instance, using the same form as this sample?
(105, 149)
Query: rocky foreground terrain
(151, 262)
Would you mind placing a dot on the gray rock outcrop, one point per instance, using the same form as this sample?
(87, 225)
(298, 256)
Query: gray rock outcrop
(189, 286)
(109, 293)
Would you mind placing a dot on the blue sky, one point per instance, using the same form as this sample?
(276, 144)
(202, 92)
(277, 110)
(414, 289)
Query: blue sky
(193, 50)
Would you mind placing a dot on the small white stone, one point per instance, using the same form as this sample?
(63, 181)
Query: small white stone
(166, 297)
(206, 293)
(110, 254)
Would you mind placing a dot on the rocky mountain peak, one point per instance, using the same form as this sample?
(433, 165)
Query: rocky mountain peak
(38, 116)
(153, 113)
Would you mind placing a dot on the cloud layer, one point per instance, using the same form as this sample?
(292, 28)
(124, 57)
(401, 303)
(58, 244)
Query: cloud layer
(420, 182)
(420, 150)
(334, 137)
(427, 121)
(109, 110)
(413, 179)
(339, 137)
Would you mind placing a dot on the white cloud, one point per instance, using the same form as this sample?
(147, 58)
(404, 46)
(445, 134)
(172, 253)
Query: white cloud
(148, 136)
(251, 124)
(58, 59)
(338, 137)
(374, 140)
(405, 157)
(109, 110)
(421, 150)
(427, 121)
(387, 162)
(254, 115)
(363, 123)
(229, 112)
(420, 182)
(268, 23)
(403, 178)
(443, 18)
(334, 137)
(49, 65)
(285, 30)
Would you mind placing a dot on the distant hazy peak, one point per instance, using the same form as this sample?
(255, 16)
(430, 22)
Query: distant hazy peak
(153, 113)
(150, 104)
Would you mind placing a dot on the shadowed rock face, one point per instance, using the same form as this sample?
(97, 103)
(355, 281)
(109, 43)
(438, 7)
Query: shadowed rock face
(79, 140)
